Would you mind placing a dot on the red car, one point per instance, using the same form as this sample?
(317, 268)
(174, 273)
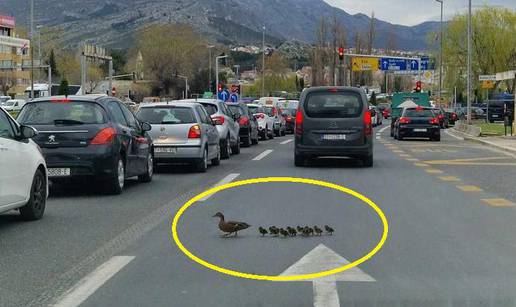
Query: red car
(386, 113)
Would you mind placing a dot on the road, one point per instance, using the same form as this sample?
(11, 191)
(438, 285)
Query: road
(450, 206)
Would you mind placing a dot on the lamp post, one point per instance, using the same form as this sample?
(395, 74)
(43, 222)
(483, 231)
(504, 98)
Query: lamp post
(209, 69)
(469, 65)
(237, 70)
(263, 62)
(186, 84)
(217, 68)
(31, 49)
(439, 94)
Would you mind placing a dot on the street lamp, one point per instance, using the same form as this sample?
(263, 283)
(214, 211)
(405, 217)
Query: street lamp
(217, 68)
(469, 64)
(186, 84)
(209, 49)
(439, 94)
(263, 62)
(237, 69)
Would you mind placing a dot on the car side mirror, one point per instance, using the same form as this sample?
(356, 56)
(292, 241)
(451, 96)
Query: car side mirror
(146, 127)
(27, 132)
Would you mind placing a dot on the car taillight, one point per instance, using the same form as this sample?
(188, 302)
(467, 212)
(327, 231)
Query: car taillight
(404, 120)
(60, 100)
(368, 130)
(299, 123)
(104, 136)
(243, 121)
(454, 116)
(289, 118)
(219, 119)
(434, 121)
(194, 132)
(274, 112)
(440, 116)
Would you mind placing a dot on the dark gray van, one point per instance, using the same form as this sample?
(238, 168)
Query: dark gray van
(333, 121)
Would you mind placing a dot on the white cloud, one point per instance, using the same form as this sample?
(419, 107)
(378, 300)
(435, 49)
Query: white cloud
(412, 12)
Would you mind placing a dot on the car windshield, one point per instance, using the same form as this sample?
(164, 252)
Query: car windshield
(56, 113)
(8, 103)
(418, 113)
(256, 109)
(167, 115)
(210, 108)
(333, 104)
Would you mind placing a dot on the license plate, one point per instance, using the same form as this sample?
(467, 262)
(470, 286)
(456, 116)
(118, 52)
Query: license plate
(333, 137)
(165, 150)
(58, 172)
(419, 130)
(494, 115)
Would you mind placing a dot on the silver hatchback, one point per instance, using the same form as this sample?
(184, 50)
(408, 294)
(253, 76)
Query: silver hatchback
(182, 133)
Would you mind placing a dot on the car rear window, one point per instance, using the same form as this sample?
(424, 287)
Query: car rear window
(236, 109)
(418, 113)
(167, 115)
(255, 109)
(269, 111)
(333, 105)
(290, 112)
(68, 113)
(210, 108)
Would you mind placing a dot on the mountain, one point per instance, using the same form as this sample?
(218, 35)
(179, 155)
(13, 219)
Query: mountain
(226, 21)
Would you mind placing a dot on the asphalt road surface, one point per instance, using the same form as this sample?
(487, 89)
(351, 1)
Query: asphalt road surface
(450, 207)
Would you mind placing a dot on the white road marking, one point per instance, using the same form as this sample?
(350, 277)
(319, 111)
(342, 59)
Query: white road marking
(322, 258)
(286, 142)
(93, 281)
(378, 138)
(383, 129)
(263, 155)
(224, 180)
(453, 136)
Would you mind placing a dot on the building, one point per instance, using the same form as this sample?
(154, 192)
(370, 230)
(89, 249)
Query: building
(14, 55)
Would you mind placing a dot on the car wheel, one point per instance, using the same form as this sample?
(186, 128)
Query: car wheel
(147, 177)
(271, 135)
(367, 161)
(35, 207)
(202, 165)
(116, 183)
(283, 132)
(255, 141)
(236, 148)
(225, 148)
(299, 160)
(392, 133)
(216, 161)
(247, 140)
(436, 138)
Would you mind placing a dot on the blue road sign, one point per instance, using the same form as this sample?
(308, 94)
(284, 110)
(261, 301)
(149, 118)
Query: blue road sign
(223, 95)
(427, 63)
(233, 97)
(393, 64)
(413, 64)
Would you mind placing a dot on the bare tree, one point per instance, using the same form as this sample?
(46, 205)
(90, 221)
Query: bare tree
(319, 55)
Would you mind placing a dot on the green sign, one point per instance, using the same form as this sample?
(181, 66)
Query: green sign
(207, 95)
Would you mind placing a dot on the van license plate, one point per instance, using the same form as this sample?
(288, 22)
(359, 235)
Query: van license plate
(165, 150)
(58, 172)
(419, 130)
(334, 137)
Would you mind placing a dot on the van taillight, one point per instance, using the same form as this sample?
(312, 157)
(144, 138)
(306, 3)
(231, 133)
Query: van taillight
(368, 130)
(195, 132)
(104, 137)
(299, 123)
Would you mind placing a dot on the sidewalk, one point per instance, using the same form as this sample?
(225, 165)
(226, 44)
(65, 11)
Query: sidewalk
(505, 143)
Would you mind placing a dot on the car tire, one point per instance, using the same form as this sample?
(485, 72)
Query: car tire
(283, 132)
(202, 165)
(392, 133)
(436, 138)
(35, 207)
(115, 184)
(235, 150)
(216, 161)
(367, 161)
(247, 140)
(225, 148)
(299, 160)
(256, 141)
(149, 171)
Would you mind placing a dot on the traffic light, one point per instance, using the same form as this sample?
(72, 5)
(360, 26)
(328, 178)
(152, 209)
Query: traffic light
(341, 53)
(219, 87)
(418, 86)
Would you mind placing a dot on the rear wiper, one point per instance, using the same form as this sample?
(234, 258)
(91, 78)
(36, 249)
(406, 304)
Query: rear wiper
(67, 122)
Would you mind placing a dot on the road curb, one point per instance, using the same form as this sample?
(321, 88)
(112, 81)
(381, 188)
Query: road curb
(477, 140)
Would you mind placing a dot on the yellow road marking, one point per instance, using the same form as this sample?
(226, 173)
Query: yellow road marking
(404, 155)
(449, 178)
(421, 164)
(469, 188)
(472, 161)
(498, 202)
(413, 159)
(433, 171)
(398, 151)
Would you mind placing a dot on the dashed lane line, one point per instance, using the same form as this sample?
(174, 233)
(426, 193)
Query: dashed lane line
(433, 171)
(469, 188)
(286, 142)
(224, 180)
(263, 155)
(449, 178)
(421, 164)
(498, 202)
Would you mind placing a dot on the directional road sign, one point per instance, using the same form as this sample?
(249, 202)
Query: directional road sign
(365, 64)
(393, 64)
(413, 64)
(487, 78)
(223, 95)
(427, 63)
(233, 97)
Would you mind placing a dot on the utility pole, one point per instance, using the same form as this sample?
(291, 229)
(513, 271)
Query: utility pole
(210, 66)
(217, 69)
(469, 65)
(186, 85)
(32, 49)
(263, 63)
(110, 73)
(439, 93)
(237, 71)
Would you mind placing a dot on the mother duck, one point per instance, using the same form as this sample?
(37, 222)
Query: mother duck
(230, 227)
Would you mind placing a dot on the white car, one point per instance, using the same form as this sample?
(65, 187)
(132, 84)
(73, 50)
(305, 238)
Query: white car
(265, 122)
(376, 116)
(23, 175)
(13, 104)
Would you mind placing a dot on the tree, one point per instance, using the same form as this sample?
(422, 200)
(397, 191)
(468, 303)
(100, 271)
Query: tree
(119, 60)
(52, 63)
(69, 66)
(94, 77)
(63, 88)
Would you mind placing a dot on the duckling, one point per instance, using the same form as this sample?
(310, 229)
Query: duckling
(318, 231)
(329, 230)
(284, 233)
(300, 229)
(274, 231)
(305, 232)
(262, 231)
(292, 231)
(230, 227)
(310, 230)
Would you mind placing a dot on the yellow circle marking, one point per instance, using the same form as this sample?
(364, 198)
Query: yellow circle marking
(222, 270)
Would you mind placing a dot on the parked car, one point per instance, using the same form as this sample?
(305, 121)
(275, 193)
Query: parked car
(265, 122)
(248, 124)
(443, 119)
(229, 129)
(386, 113)
(421, 122)
(451, 115)
(333, 121)
(376, 116)
(85, 137)
(290, 119)
(278, 120)
(183, 132)
(13, 104)
(23, 172)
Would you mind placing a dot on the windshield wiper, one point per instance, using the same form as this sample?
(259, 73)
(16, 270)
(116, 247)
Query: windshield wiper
(67, 122)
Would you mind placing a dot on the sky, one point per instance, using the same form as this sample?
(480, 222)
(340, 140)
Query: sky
(412, 12)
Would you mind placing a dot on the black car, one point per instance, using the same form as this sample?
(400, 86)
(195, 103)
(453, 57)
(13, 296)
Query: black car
(417, 122)
(290, 119)
(248, 124)
(84, 137)
(440, 113)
